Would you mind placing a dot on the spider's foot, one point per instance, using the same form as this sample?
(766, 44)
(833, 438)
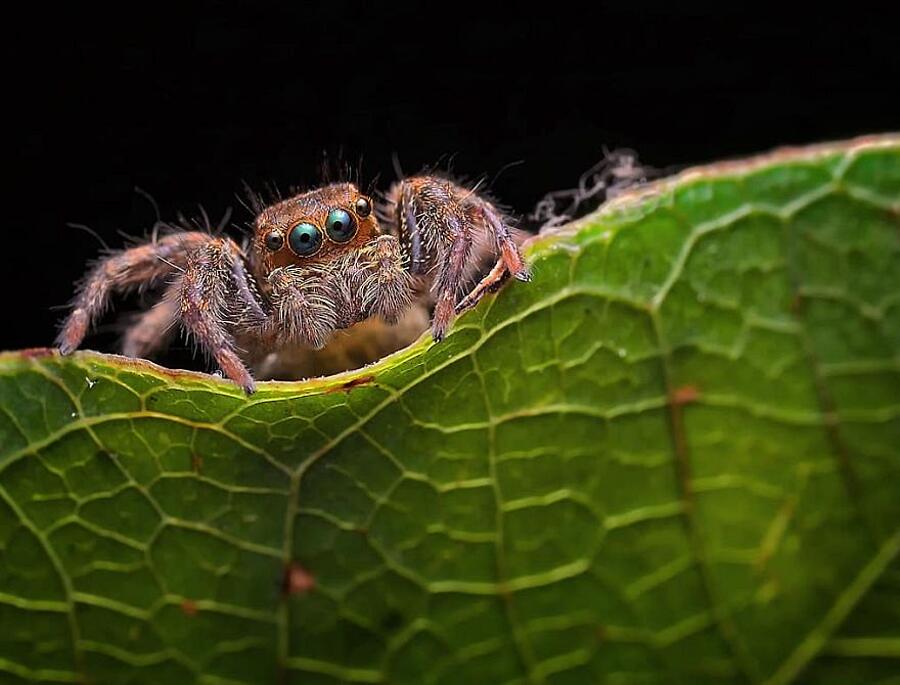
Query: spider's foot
(513, 261)
(73, 332)
(524, 275)
(235, 370)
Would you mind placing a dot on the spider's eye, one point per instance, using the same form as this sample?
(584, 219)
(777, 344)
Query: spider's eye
(274, 240)
(340, 225)
(363, 207)
(305, 239)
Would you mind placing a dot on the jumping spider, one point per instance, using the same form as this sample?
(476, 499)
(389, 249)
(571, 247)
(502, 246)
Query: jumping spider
(315, 263)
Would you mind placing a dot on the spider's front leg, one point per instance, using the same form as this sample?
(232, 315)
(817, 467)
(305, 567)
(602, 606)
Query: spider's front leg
(214, 297)
(137, 268)
(443, 227)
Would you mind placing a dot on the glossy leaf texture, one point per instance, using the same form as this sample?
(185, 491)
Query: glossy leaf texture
(674, 457)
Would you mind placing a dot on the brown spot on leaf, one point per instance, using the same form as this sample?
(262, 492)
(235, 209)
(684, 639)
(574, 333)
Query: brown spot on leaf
(352, 383)
(297, 580)
(196, 462)
(189, 607)
(685, 394)
(37, 352)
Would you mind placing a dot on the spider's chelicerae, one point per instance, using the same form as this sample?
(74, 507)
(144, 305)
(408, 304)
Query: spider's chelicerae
(315, 263)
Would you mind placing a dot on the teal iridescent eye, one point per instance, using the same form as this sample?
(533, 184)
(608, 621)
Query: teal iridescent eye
(340, 225)
(305, 239)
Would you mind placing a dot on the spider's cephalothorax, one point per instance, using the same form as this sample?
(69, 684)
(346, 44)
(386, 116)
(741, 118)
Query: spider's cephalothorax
(316, 263)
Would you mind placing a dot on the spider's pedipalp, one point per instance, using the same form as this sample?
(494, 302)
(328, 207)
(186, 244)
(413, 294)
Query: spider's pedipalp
(386, 288)
(302, 311)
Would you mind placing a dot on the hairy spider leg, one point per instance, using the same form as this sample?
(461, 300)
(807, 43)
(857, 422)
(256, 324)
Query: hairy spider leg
(153, 328)
(509, 263)
(510, 256)
(205, 308)
(438, 222)
(136, 268)
(491, 282)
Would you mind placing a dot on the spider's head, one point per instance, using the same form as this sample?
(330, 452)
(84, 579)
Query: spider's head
(314, 228)
(325, 247)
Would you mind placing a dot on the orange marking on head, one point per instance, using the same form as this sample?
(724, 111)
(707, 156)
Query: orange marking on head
(312, 207)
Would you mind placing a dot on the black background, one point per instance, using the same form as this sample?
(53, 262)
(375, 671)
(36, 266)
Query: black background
(189, 104)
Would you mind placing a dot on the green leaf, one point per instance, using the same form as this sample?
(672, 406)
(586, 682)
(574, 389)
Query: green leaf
(672, 458)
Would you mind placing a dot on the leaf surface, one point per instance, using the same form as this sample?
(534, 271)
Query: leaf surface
(672, 458)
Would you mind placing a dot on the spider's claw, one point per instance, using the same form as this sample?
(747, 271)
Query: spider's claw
(513, 261)
(248, 385)
(444, 313)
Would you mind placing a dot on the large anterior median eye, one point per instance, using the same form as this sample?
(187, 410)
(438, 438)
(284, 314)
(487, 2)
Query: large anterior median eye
(340, 225)
(305, 239)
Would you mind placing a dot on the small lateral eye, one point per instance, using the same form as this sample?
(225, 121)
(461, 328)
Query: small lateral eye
(305, 239)
(274, 241)
(363, 207)
(340, 225)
